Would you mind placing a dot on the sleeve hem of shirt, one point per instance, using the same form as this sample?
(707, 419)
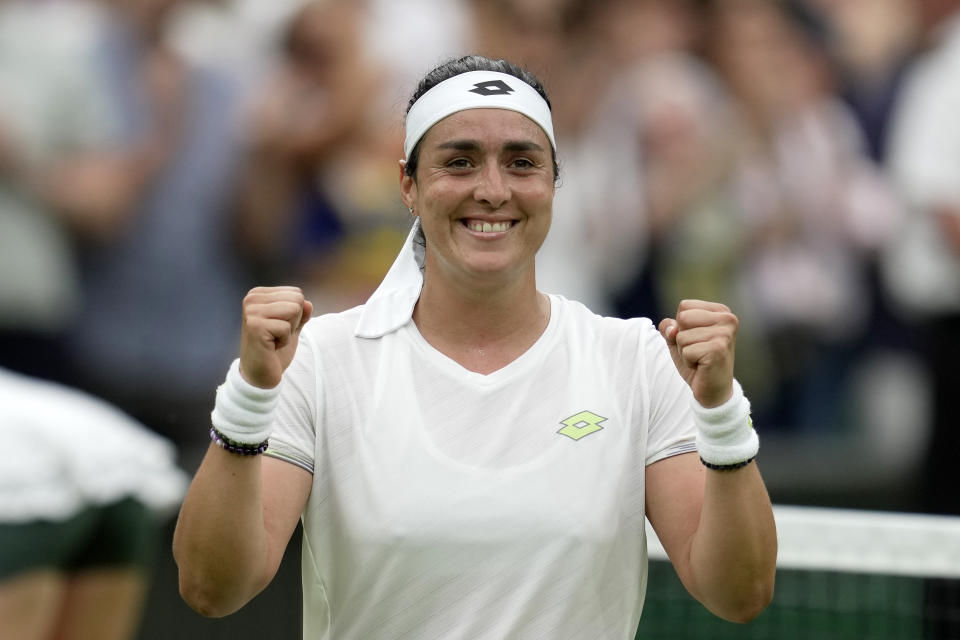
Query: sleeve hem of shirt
(677, 449)
(287, 454)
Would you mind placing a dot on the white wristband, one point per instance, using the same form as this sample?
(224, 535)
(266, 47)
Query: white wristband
(243, 413)
(725, 434)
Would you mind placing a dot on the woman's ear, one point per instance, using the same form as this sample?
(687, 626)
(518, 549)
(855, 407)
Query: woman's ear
(408, 187)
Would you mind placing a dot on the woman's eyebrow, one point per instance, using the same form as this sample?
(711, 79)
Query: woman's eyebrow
(473, 145)
(522, 145)
(460, 145)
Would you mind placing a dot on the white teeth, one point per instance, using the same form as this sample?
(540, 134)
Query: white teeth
(488, 227)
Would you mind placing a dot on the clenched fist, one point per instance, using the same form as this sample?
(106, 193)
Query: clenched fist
(272, 320)
(702, 339)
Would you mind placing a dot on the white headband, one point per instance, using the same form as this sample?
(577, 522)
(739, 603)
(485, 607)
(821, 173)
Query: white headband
(476, 90)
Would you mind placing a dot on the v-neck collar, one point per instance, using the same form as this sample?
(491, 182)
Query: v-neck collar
(519, 364)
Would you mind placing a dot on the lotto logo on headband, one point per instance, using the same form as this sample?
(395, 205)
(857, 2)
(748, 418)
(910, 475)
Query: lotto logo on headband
(492, 88)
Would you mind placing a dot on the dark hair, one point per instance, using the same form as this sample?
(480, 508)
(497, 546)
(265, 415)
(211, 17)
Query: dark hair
(465, 64)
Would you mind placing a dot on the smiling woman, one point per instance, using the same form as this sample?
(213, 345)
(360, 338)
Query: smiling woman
(471, 457)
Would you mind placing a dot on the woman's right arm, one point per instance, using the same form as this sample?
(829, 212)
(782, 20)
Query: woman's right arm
(234, 526)
(241, 510)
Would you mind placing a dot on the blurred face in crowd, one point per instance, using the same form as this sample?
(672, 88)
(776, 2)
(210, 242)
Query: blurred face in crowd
(484, 193)
(633, 29)
(528, 30)
(765, 58)
(324, 38)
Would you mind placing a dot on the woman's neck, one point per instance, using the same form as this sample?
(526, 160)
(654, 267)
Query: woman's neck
(483, 331)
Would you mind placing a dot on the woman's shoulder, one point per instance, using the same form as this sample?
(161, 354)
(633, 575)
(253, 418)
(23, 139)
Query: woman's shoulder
(606, 334)
(621, 344)
(579, 314)
(332, 327)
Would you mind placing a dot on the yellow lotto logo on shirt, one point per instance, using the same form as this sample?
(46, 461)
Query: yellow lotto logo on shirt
(581, 425)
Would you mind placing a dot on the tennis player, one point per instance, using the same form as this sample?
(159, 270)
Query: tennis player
(84, 490)
(470, 457)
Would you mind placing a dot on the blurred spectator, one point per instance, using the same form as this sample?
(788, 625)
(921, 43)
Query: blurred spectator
(158, 322)
(923, 268)
(234, 36)
(318, 200)
(872, 43)
(813, 207)
(405, 39)
(83, 491)
(632, 30)
(671, 125)
(61, 175)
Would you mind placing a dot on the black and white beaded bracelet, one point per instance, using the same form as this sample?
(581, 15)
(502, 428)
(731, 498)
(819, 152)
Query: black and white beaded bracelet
(237, 447)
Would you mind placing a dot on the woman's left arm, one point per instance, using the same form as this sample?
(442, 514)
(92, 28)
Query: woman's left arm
(717, 526)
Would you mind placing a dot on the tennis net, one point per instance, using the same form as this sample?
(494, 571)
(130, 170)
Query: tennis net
(841, 575)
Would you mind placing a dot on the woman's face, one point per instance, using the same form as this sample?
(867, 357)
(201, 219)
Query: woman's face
(484, 194)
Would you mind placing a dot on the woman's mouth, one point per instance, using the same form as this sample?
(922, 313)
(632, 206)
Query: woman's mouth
(483, 226)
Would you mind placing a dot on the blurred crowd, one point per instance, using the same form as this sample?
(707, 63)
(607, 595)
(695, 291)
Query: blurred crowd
(796, 159)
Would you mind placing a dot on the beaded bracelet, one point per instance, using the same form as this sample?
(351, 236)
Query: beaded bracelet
(726, 467)
(236, 447)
